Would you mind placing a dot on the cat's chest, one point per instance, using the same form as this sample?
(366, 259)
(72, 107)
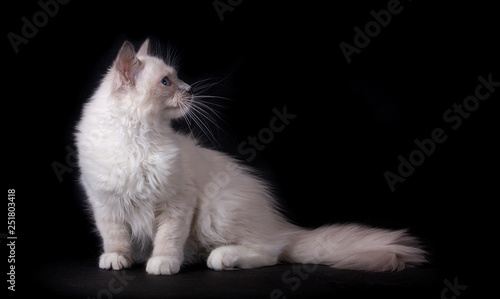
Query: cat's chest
(143, 167)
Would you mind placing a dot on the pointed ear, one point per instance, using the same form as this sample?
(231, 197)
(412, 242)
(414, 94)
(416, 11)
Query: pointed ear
(144, 50)
(127, 64)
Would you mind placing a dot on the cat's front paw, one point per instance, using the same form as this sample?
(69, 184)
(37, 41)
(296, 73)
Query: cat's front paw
(163, 265)
(114, 261)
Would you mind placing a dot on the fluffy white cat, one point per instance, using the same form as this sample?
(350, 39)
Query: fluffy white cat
(147, 187)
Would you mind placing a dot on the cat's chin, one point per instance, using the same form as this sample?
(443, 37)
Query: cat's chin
(174, 112)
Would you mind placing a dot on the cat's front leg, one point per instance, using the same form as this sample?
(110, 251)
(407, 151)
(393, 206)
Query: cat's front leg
(116, 242)
(168, 252)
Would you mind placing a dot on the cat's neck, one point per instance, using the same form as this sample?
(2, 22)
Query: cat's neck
(135, 128)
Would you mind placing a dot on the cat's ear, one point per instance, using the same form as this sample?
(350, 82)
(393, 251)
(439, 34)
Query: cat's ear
(144, 50)
(127, 64)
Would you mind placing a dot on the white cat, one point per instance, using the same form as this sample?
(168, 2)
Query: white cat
(147, 186)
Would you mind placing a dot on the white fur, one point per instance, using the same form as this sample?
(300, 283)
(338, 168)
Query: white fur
(157, 195)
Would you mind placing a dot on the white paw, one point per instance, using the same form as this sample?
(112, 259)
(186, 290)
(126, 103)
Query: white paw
(223, 258)
(114, 261)
(163, 265)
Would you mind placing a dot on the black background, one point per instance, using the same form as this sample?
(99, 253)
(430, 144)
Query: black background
(352, 120)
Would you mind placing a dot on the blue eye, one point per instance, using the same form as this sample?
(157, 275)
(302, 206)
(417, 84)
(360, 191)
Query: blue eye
(165, 81)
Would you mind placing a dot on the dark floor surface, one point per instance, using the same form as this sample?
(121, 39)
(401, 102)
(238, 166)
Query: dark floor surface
(83, 279)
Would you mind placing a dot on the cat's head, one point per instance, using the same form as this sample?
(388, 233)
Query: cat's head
(147, 84)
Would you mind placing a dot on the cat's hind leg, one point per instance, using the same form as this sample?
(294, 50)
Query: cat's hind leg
(233, 257)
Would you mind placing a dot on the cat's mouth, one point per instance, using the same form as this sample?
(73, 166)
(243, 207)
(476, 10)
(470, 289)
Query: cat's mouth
(186, 99)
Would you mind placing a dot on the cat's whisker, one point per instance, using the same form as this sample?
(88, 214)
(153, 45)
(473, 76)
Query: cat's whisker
(202, 85)
(199, 82)
(201, 97)
(172, 57)
(199, 111)
(204, 113)
(215, 112)
(202, 88)
(207, 116)
(185, 109)
(203, 127)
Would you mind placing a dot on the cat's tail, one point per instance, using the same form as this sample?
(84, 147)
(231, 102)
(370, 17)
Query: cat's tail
(354, 247)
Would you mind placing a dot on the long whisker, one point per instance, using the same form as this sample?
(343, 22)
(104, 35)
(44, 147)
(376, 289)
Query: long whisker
(215, 112)
(205, 129)
(201, 97)
(197, 83)
(207, 116)
(201, 110)
(185, 107)
(206, 86)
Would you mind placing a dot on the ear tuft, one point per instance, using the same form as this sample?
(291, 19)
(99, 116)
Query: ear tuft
(127, 64)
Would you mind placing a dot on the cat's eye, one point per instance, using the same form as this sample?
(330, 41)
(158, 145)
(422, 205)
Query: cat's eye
(165, 81)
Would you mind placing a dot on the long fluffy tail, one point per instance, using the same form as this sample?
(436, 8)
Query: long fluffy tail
(354, 247)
